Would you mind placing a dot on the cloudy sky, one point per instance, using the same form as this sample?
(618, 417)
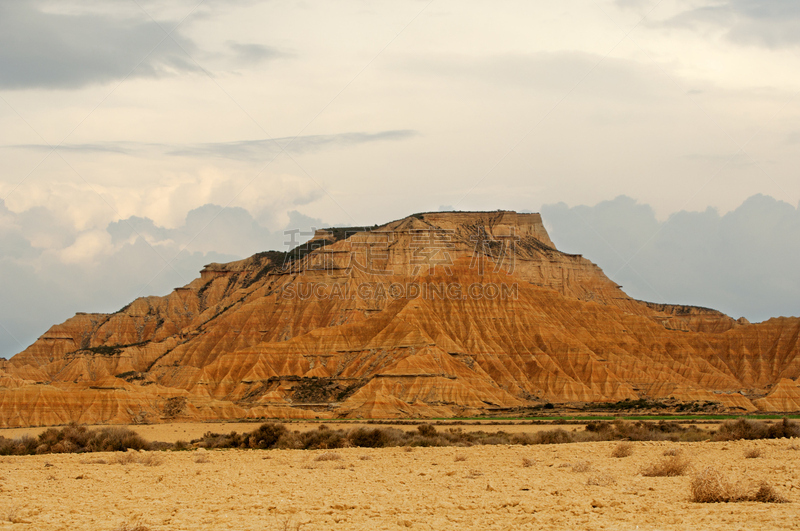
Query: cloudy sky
(140, 140)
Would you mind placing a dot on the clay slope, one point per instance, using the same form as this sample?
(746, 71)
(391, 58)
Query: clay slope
(433, 315)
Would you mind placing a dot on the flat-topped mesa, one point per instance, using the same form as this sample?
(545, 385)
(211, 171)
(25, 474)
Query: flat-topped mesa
(331, 328)
(502, 223)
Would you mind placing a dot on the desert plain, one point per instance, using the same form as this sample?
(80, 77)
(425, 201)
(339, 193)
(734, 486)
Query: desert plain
(559, 486)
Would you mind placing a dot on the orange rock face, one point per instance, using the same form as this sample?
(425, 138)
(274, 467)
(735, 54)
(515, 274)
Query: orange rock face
(433, 315)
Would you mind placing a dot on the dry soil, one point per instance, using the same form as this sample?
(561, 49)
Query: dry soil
(569, 486)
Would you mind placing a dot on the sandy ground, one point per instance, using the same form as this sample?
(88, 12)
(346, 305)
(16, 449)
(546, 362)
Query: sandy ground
(485, 487)
(187, 431)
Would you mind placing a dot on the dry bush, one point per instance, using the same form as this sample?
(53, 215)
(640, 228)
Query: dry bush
(135, 526)
(288, 525)
(14, 516)
(150, 459)
(127, 458)
(733, 430)
(528, 462)
(459, 457)
(602, 479)
(581, 466)
(623, 449)
(557, 436)
(474, 474)
(752, 453)
(672, 451)
(365, 457)
(95, 461)
(407, 449)
(766, 494)
(123, 459)
(328, 456)
(675, 465)
(201, 457)
(710, 486)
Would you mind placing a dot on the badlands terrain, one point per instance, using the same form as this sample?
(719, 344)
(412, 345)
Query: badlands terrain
(563, 486)
(432, 316)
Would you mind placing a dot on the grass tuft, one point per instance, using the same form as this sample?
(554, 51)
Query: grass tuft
(671, 466)
(135, 526)
(601, 479)
(710, 486)
(752, 453)
(623, 449)
(328, 456)
(581, 466)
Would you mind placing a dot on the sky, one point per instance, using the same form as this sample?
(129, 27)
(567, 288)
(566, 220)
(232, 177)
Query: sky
(140, 140)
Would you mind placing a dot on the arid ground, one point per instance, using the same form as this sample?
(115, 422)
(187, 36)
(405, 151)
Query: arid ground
(565, 486)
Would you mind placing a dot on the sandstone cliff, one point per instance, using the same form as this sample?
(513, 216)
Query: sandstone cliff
(433, 315)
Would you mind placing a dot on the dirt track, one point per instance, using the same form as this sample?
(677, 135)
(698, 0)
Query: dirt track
(485, 487)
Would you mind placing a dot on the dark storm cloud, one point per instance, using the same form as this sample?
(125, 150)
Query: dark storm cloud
(742, 263)
(240, 150)
(51, 50)
(768, 23)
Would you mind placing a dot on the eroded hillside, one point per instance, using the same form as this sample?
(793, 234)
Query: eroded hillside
(436, 314)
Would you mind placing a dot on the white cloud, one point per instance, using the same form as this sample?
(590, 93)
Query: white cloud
(87, 247)
(743, 263)
(104, 269)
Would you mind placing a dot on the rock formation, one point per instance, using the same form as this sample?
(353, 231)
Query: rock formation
(433, 315)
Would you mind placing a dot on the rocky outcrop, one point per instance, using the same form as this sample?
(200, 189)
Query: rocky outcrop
(433, 315)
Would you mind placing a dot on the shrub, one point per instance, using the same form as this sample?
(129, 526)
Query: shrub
(752, 453)
(581, 466)
(328, 456)
(135, 526)
(558, 436)
(623, 449)
(426, 430)
(672, 466)
(528, 462)
(784, 429)
(766, 494)
(266, 436)
(320, 439)
(602, 479)
(710, 486)
(374, 438)
(201, 456)
(750, 430)
(115, 440)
